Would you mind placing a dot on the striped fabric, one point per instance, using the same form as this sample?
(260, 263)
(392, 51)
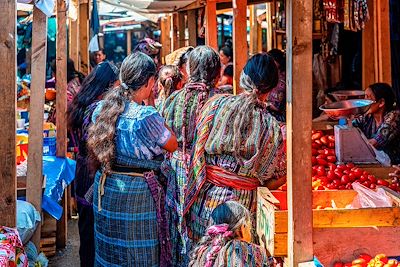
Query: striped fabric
(235, 253)
(214, 145)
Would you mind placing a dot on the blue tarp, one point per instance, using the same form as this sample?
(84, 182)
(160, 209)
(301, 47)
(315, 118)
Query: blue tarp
(59, 172)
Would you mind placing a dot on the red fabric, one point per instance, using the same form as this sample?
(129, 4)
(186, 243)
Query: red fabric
(223, 178)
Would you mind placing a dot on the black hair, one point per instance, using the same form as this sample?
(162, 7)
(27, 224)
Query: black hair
(384, 91)
(279, 57)
(262, 71)
(204, 66)
(228, 71)
(94, 85)
(71, 71)
(184, 58)
(227, 51)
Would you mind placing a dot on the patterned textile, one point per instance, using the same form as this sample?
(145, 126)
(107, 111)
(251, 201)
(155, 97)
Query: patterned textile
(277, 98)
(174, 57)
(11, 249)
(176, 168)
(387, 134)
(235, 253)
(73, 88)
(127, 226)
(262, 151)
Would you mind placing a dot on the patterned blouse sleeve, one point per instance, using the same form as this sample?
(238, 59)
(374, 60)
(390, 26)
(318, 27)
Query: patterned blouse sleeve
(253, 255)
(153, 129)
(388, 130)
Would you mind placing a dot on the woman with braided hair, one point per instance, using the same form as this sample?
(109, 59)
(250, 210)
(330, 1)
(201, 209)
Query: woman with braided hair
(180, 112)
(128, 140)
(238, 147)
(228, 241)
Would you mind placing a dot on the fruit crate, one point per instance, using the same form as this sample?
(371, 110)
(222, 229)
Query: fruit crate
(338, 234)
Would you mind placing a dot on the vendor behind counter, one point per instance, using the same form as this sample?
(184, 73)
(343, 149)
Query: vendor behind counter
(381, 124)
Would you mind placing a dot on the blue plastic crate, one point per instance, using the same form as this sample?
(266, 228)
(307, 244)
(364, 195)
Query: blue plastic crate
(49, 146)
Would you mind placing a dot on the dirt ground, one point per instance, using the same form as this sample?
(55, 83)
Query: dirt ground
(68, 257)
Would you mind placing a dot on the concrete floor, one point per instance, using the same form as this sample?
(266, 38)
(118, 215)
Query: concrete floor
(68, 257)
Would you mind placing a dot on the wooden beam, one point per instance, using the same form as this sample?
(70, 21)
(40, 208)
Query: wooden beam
(211, 24)
(269, 26)
(192, 27)
(36, 110)
(129, 42)
(385, 66)
(174, 31)
(8, 181)
(299, 117)
(61, 104)
(73, 46)
(165, 36)
(254, 31)
(240, 48)
(181, 29)
(84, 38)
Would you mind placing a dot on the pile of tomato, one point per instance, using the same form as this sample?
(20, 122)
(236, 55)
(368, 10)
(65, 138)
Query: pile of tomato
(365, 260)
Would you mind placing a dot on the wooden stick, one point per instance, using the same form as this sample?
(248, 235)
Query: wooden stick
(35, 148)
(299, 117)
(74, 38)
(211, 24)
(61, 106)
(84, 37)
(240, 48)
(129, 42)
(8, 181)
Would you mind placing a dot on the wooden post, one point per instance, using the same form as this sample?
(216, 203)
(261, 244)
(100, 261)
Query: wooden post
(192, 27)
(165, 36)
(61, 106)
(268, 15)
(211, 24)
(74, 37)
(8, 181)
(84, 36)
(376, 53)
(181, 29)
(35, 148)
(174, 31)
(254, 31)
(299, 117)
(129, 42)
(240, 48)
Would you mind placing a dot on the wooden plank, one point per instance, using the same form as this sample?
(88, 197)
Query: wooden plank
(254, 31)
(35, 147)
(61, 105)
(8, 89)
(192, 27)
(385, 66)
(345, 244)
(211, 24)
(84, 38)
(181, 29)
(299, 114)
(240, 48)
(174, 31)
(73, 47)
(48, 241)
(165, 36)
(268, 11)
(129, 42)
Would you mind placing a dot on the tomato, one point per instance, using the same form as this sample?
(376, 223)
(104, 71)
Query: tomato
(316, 135)
(350, 165)
(367, 184)
(338, 264)
(318, 142)
(321, 187)
(372, 179)
(315, 146)
(345, 180)
(342, 187)
(341, 167)
(382, 182)
(314, 152)
(321, 156)
(346, 172)
(336, 182)
(338, 173)
(314, 161)
(322, 162)
(321, 172)
(347, 265)
(331, 175)
(360, 262)
(352, 176)
(358, 172)
(331, 159)
(349, 186)
(324, 140)
(366, 257)
(372, 186)
(331, 138)
(363, 178)
(382, 258)
(331, 186)
(331, 166)
(321, 151)
(393, 187)
(331, 145)
(365, 173)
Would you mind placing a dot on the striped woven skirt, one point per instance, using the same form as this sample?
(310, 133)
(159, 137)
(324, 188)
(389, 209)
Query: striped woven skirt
(126, 229)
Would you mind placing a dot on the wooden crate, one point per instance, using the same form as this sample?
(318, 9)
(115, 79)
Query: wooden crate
(338, 234)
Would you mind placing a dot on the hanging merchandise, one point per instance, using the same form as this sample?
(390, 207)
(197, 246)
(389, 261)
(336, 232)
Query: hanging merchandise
(331, 10)
(356, 14)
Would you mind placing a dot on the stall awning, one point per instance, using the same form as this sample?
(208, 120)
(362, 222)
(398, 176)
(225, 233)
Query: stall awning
(151, 6)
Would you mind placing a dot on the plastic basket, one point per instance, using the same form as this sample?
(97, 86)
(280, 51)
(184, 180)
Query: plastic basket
(49, 146)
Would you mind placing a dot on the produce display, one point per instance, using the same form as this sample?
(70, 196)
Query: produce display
(327, 175)
(365, 260)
